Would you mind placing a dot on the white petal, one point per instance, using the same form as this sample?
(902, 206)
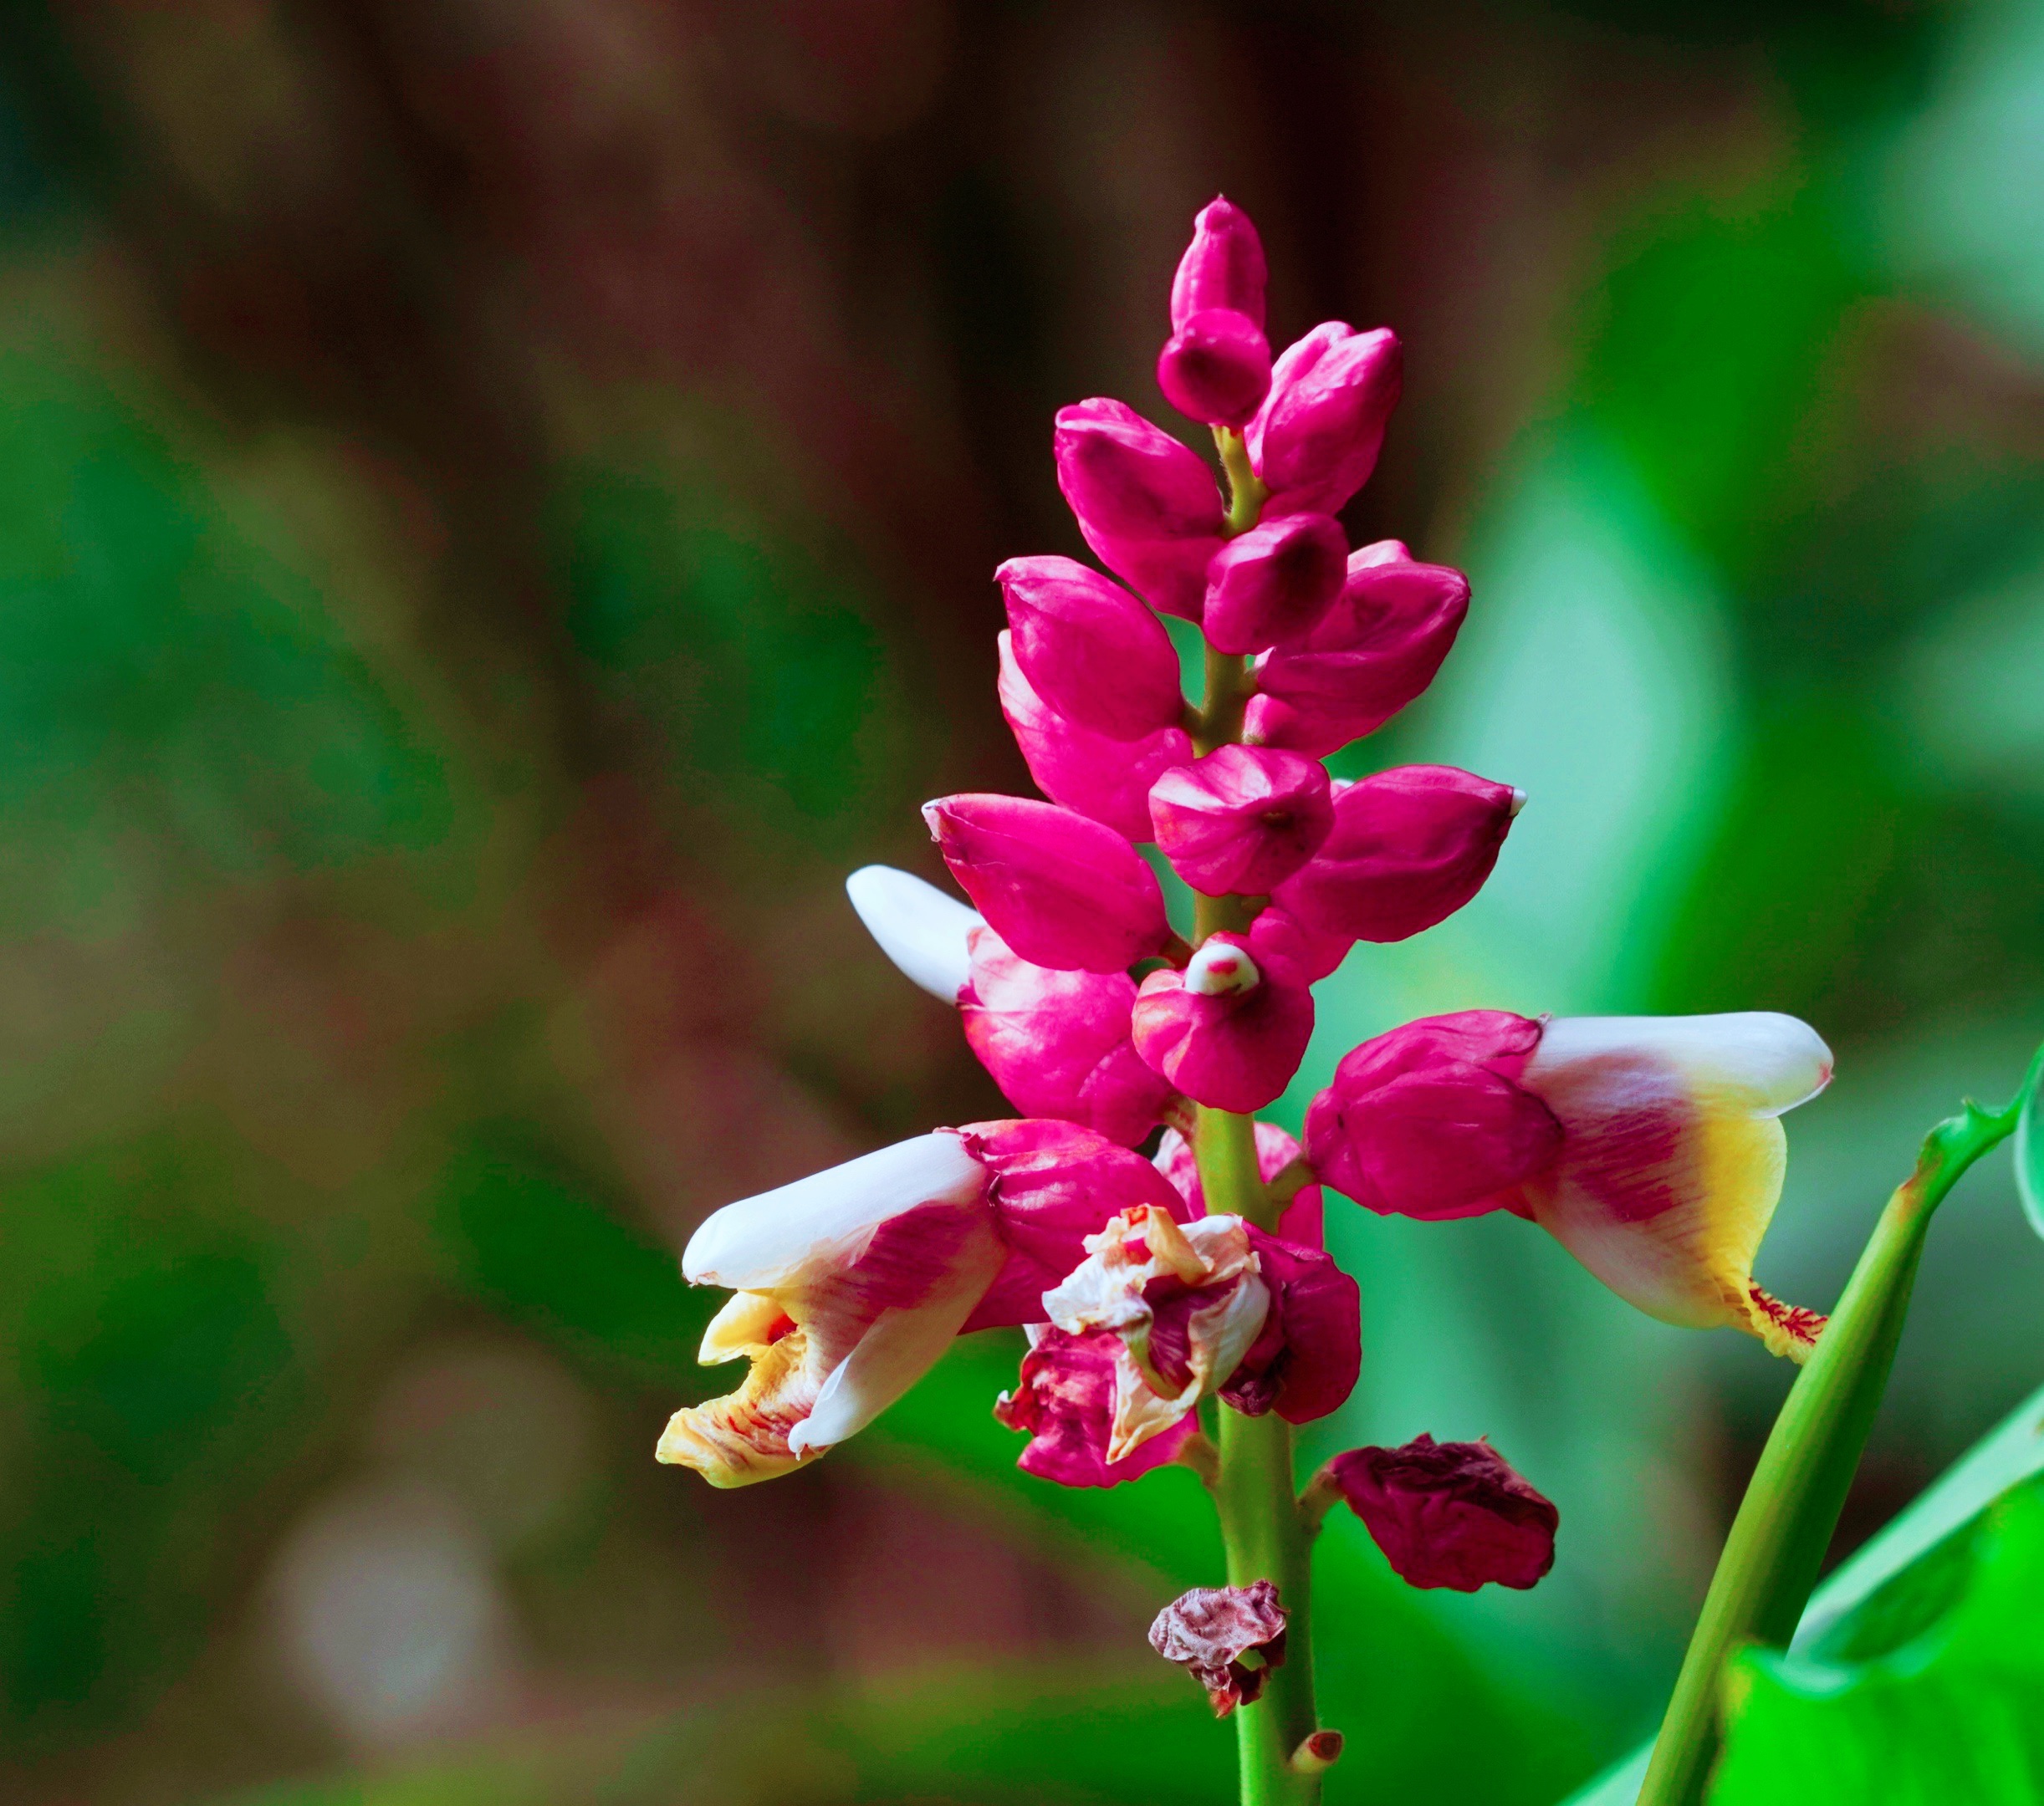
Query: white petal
(901, 1347)
(917, 926)
(759, 1243)
(1766, 1062)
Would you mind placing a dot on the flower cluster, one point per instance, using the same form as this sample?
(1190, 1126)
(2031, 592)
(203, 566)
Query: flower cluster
(1651, 1148)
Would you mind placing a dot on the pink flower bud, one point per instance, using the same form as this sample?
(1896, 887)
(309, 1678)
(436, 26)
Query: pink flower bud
(1276, 1150)
(1065, 1399)
(1410, 846)
(1315, 441)
(1090, 649)
(1242, 820)
(1208, 1630)
(1107, 780)
(1449, 1514)
(1306, 1362)
(1216, 368)
(1432, 1121)
(1274, 582)
(1234, 1048)
(1057, 1042)
(1148, 506)
(1054, 1185)
(1061, 890)
(1378, 648)
(1222, 266)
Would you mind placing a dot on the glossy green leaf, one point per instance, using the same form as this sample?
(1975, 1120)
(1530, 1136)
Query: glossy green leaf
(2030, 1150)
(1944, 1703)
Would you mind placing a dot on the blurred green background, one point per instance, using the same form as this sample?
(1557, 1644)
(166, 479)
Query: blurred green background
(497, 505)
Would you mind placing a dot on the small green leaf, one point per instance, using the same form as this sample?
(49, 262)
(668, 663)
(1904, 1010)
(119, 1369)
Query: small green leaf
(1949, 1711)
(2029, 1148)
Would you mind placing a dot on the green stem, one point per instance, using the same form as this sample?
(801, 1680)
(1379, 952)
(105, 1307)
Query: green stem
(1785, 1523)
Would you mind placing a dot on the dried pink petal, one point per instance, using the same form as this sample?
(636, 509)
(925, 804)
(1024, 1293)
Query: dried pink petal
(1210, 1630)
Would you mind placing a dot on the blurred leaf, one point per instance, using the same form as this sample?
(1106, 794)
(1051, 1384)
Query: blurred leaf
(1946, 1706)
(2030, 1150)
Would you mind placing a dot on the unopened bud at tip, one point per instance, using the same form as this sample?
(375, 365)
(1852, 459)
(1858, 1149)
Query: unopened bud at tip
(1317, 1753)
(1518, 801)
(1218, 968)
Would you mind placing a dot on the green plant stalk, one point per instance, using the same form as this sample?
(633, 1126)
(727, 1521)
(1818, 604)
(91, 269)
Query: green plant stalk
(1772, 1557)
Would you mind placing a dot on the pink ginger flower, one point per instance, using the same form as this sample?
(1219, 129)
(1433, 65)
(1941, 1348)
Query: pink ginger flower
(1062, 890)
(1242, 820)
(1315, 441)
(1148, 506)
(1230, 1030)
(1090, 649)
(1449, 1514)
(1105, 778)
(1376, 649)
(1409, 847)
(1216, 367)
(1222, 266)
(849, 1284)
(1275, 582)
(1650, 1147)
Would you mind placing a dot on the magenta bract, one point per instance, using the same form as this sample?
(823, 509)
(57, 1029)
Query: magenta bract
(1062, 890)
(1315, 441)
(1431, 1120)
(1410, 846)
(1146, 504)
(1276, 1150)
(1222, 266)
(1065, 1399)
(1216, 368)
(1090, 649)
(1450, 1514)
(1107, 780)
(1306, 1362)
(1376, 649)
(1242, 820)
(1057, 1042)
(1275, 582)
(1236, 1050)
(1054, 1185)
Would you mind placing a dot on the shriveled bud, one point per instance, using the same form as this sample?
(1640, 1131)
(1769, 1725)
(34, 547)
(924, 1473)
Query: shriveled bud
(1208, 1630)
(1431, 1120)
(1147, 505)
(1409, 847)
(1376, 649)
(1222, 266)
(1449, 1514)
(1063, 890)
(1090, 649)
(1275, 582)
(1242, 820)
(1107, 780)
(1216, 368)
(1315, 441)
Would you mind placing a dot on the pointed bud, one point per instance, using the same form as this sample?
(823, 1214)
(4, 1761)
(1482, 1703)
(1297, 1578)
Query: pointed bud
(1375, 650)
(1216, 368)
(1090, 649)
(1274, 582)
(1146, 505)
(1431, 1120)
(1449, 1514)
(1242, 820)
(1315, 441)
(1108, 780)
(1409, 847)
(1061, 890)
(1222, 266)
(1208, 1630)
(1057, 1042)
(923, 930)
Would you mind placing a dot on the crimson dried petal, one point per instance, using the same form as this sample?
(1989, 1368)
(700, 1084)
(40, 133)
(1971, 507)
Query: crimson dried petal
(1449, 1514)
(1208, 1629)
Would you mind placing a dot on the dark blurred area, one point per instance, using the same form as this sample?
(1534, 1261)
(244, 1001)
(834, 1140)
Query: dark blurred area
(498, 500)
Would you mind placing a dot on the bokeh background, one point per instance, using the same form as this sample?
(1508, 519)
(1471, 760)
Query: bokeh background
(497, 505)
